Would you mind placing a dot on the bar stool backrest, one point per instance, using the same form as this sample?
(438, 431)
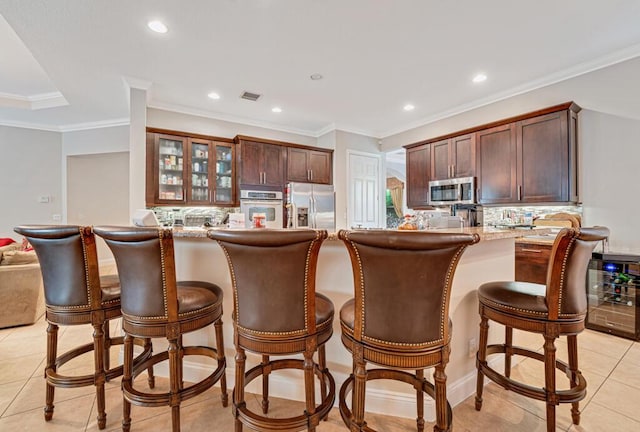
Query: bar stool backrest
(69, 265)
(566, 275)
(146, 266)
(273, 273)
(403, 284)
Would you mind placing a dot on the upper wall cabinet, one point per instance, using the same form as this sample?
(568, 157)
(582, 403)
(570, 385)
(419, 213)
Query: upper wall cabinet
(529, 161)
(525, 159)
(310, 166)
(496, 165)
(189, 171)
(546, 158)
(453, 157)
(418, 167)
(260, 164)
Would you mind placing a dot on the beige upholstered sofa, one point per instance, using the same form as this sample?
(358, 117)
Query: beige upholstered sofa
(21, 293)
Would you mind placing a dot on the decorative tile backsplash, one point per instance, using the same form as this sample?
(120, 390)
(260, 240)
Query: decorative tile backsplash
(193, 216)
(494, 215)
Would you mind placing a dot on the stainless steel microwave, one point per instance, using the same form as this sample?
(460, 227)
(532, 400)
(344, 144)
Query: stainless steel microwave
(452, 191)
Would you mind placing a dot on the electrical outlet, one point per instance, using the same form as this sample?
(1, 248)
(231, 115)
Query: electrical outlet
(56, 217)
(473, 347)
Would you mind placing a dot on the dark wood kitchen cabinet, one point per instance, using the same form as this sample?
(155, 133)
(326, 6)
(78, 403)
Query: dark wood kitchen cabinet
(531, 261)
(418, 167)
(453, 157)
(546, 158)
(183, 170)
(496, 165)
(260, 164)
(526, 159)
(310, 166)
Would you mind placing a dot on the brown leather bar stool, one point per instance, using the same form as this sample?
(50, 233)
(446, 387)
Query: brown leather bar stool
(278, 312)
(155, 305)
(399, 318)
(557, 309)
(76, 294)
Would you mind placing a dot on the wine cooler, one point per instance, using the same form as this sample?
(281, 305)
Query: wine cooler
(613, 285)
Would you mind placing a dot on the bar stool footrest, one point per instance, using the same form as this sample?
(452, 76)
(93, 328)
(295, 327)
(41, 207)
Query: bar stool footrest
(141, 398)
(574, 394)
(396, 375)
(301, 422)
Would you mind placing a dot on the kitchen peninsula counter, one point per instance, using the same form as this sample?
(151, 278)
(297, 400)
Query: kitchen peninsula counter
(198, 258)
(485, 233)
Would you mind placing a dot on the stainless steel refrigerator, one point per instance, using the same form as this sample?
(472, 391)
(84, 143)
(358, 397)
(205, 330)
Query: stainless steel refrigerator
(311, 206)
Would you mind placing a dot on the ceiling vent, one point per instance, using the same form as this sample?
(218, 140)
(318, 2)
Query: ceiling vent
(250, 96)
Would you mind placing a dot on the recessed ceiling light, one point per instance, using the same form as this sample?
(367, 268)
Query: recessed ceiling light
(157, 26)
(276, 109)
(316, 76)
(214, 95)
(408, 107)
(479, 78)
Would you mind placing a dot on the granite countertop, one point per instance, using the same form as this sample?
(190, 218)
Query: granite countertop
(538, 239)
(485, 233)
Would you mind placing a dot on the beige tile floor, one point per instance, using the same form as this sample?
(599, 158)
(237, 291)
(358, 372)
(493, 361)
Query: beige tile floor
(610, 364)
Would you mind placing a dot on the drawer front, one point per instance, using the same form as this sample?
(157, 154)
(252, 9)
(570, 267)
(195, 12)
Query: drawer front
(531, 262)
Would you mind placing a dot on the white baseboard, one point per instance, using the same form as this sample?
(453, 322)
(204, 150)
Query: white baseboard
(288, 385)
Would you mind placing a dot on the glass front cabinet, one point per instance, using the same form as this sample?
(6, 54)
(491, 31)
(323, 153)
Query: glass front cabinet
(189, 171)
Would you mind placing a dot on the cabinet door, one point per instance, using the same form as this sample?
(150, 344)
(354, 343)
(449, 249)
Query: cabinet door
(224, 174)
(165, 176)
(199, 179)
(463, 155)
(543, 158)
(320, 166)
(440, 163)
(297, 169)
(251, 166)
(496, 165)
(531, 262)
(418, 166)
(273, 165)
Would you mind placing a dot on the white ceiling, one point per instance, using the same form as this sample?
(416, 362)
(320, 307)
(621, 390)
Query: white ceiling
(375, 56)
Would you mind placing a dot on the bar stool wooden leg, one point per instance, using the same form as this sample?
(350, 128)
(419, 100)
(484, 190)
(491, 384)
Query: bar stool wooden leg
(322, 362)
(440, 379)
(508, 352)
(52, 352)
(127, 373)
(572, 342)
(106, 345)
(175, 381)
(420, 400)
(309, 385)
(238, 392)
(151, 380)
(550, 380)
(265, 384)
(359, 389)
(99, 375)
(221, 358)
(482, 357)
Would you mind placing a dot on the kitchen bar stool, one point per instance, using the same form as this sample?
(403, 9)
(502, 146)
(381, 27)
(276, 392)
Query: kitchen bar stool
(557, 309)
(277, 312)
(399, 318)
(155, 305)
(76, 294)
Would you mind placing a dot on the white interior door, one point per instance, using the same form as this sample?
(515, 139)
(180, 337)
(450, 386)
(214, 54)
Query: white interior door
(364, 182)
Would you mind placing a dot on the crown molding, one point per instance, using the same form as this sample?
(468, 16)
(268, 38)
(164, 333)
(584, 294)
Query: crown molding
(137, 83)
(25, 125)
(95, 125)
(33, 102)
(614, 58)
(226, 117)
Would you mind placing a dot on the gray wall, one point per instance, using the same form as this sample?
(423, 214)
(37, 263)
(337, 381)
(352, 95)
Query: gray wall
(31, 167)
